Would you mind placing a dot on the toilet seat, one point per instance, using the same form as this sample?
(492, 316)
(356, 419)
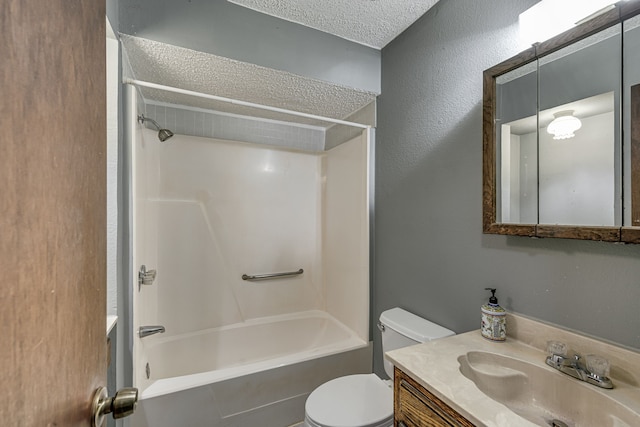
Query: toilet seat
(351, 401)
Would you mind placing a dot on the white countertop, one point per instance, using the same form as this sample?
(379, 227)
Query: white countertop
(435, 366)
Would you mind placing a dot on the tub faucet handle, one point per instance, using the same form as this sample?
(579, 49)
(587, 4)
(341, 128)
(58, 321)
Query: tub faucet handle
(145, 277)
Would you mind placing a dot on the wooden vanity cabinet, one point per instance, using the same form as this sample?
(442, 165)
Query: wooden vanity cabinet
(414, 406)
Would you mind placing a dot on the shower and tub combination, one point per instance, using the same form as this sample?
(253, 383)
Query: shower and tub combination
(251, 282)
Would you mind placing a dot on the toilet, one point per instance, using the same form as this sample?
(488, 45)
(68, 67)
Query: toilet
(366, 400)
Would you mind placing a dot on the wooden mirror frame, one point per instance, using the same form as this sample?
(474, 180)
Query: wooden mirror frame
(623, 10)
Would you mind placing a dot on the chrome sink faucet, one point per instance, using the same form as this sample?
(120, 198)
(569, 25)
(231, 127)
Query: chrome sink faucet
(594, 371)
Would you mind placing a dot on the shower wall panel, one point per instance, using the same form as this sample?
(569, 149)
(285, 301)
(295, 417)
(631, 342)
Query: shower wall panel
(222, 209)
(346, 234)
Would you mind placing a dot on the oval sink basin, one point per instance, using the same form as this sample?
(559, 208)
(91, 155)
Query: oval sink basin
(542, 395)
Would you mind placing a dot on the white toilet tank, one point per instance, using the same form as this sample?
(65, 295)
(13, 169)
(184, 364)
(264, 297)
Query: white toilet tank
(400, 328)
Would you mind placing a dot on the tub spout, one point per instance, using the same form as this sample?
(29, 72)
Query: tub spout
(145, 331)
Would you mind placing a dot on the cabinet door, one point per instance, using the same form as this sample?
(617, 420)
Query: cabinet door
(414, 406)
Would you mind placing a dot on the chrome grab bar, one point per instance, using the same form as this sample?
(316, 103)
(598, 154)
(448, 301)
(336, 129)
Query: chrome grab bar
(272, 275)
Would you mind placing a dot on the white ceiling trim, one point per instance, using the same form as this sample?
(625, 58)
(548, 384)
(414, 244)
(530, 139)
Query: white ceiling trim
(373, 23)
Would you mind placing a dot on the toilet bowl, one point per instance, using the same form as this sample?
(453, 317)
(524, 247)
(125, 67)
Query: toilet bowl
(362, 400)
(366, 400)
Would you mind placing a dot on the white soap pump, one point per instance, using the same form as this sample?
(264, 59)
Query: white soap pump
(494, 319)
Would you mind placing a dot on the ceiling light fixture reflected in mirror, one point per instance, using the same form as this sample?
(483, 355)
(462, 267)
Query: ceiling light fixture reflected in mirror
(564, 125)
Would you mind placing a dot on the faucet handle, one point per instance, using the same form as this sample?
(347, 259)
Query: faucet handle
(556, 348)
(597, 365)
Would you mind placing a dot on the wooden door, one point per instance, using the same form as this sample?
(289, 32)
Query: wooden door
(52, 210)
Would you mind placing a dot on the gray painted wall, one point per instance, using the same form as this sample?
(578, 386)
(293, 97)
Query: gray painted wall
(431, 256)
(232, 31)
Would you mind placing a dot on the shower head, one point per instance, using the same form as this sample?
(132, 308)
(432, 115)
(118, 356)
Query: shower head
(163, 134)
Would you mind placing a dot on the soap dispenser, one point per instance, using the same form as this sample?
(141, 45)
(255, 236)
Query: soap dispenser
(494, 319)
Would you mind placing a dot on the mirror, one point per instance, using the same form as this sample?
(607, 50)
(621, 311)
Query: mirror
(557, 162)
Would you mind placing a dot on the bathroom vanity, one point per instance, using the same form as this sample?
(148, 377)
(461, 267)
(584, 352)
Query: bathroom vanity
(415, 406)
(467, 380)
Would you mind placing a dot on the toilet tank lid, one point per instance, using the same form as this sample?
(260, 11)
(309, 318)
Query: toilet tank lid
(412, 326)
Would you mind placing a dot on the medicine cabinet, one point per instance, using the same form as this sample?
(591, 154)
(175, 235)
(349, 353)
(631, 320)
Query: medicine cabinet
(561, 134)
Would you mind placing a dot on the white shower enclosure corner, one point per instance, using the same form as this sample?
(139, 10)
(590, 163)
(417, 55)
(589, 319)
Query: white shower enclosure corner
(207, 213)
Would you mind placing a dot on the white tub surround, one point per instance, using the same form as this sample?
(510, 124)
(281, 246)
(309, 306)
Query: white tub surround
(435, 365)
(208, 211)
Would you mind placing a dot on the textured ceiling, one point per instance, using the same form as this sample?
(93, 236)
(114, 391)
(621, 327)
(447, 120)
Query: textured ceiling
(188, 69)
(370, 22)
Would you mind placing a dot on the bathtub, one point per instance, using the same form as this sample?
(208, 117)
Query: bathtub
(258, 372)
